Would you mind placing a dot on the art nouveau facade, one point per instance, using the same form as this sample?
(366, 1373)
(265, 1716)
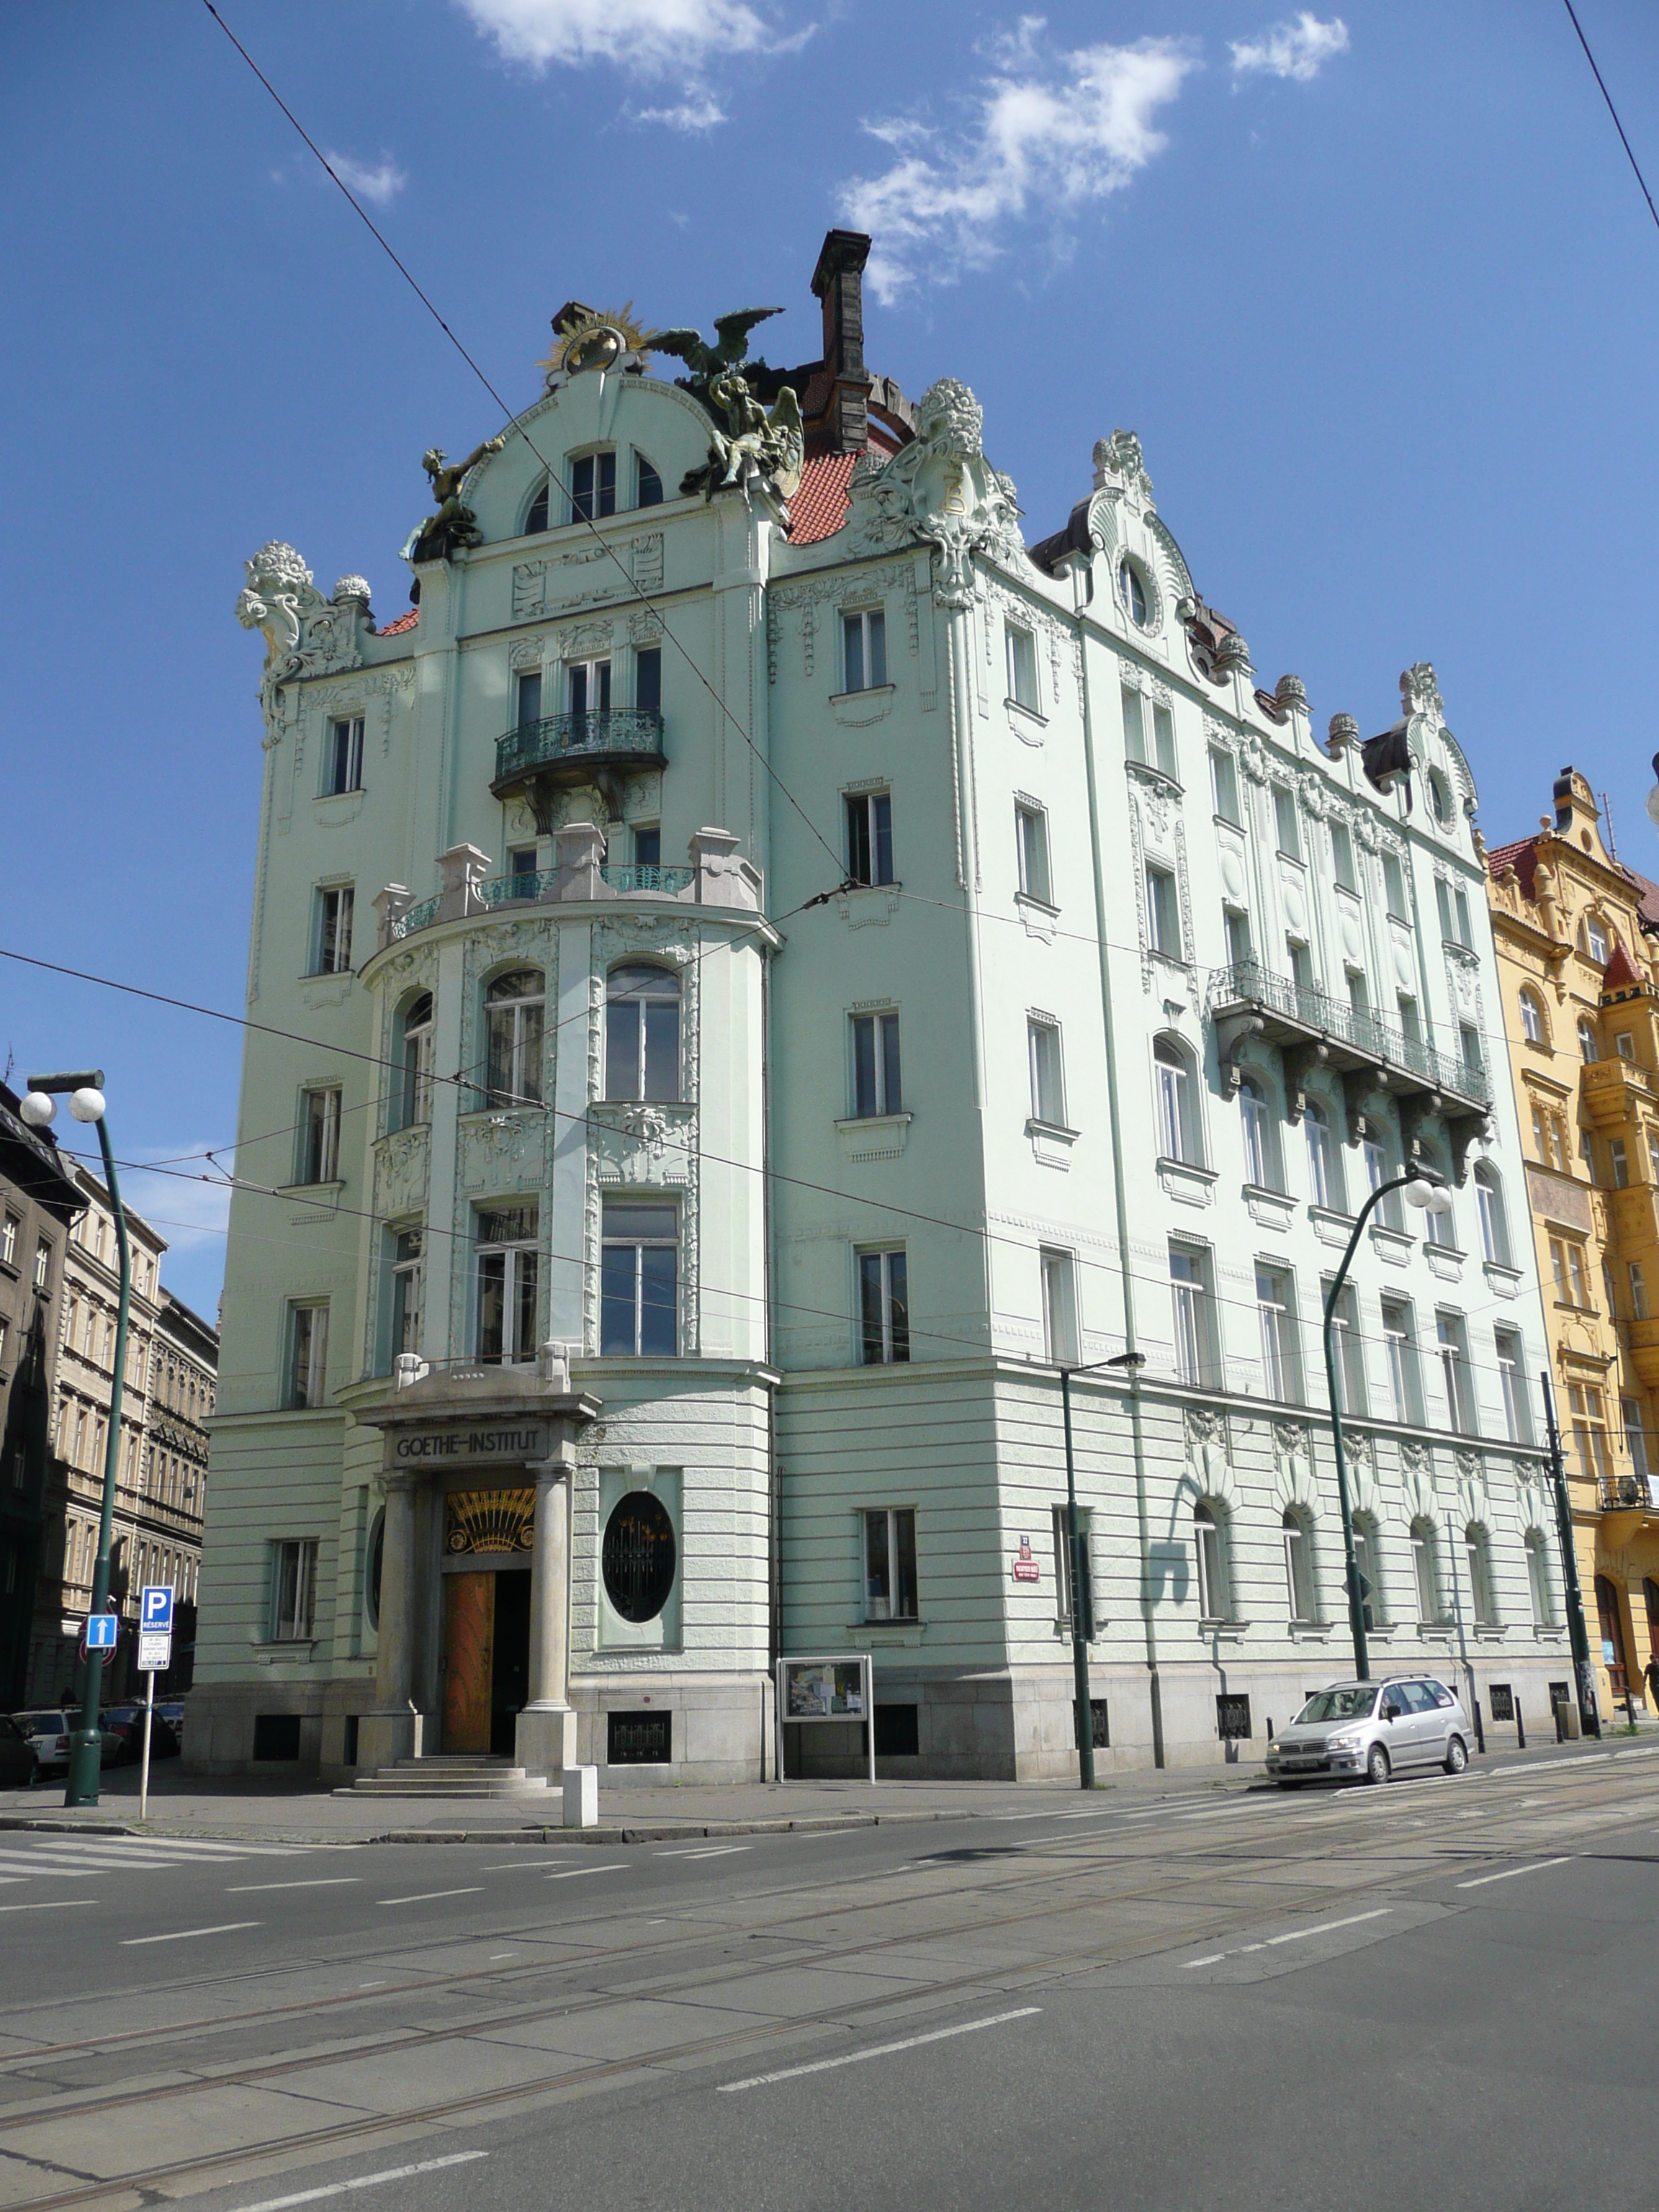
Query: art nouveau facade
(829, 964)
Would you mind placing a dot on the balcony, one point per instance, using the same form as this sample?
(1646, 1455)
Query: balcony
(599, 748)
(1312, 1029)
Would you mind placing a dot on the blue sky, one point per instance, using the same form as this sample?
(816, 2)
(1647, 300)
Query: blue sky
(1377, 290)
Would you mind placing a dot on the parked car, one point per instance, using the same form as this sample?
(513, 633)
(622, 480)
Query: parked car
(20, 1762)
(129, 1722)
(1374, 1730)
(49, 1731)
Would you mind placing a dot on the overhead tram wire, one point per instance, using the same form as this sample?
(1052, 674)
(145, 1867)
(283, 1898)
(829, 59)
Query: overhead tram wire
(515, 423)
(888, 1206)
(1613, 111)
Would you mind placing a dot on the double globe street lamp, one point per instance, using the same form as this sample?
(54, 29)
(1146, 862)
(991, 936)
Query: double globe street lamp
(85, 1089)
(1427, 1191)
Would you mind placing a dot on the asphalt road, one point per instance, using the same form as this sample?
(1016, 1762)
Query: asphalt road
(1441, 1993)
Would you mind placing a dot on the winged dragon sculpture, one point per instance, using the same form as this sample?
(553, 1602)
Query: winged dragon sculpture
(757, 446)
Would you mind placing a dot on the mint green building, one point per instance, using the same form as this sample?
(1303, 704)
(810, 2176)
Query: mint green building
(780, 967)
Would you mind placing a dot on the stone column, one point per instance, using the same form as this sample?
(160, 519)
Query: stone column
(546, 1742)
(391, 1730)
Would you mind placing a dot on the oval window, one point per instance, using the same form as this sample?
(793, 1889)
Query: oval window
(1133, 591)
(1440, 798)
(639, 1556)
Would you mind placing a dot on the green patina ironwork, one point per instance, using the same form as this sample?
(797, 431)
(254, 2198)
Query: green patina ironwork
(1250, 983)
(634, 731)
(671, 880)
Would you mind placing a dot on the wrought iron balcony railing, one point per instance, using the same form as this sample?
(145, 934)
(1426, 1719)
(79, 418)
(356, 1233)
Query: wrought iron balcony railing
(1250, 983)
(671, 880)
(1622, 1493)
(598, 733)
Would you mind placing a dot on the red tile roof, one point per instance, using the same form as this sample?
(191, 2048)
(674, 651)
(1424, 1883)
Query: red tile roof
(1620, 974)
(1647, 901)
(403, 622)
(1522, 858)
(819, 507)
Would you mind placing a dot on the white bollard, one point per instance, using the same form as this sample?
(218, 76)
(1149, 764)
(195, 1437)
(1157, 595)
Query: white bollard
(581, 1797)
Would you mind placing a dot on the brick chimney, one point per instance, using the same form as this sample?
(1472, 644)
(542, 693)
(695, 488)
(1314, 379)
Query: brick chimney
(838, 282)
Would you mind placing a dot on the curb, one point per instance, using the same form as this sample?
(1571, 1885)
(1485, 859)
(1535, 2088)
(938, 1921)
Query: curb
(656, 1831)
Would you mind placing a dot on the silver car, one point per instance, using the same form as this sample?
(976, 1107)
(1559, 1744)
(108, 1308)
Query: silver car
(1374, 1730)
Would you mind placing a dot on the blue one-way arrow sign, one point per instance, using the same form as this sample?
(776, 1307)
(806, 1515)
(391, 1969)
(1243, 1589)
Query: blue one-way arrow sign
(155, 1608)
(103, 1631)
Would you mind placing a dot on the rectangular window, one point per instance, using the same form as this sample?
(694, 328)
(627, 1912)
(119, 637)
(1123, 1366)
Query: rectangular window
(1469, 1041)
(1465, 934)
(1162, 916)
(530, 697)
(1301, 963)
(1048, 1088)
(877, 1086)
(1238, 937)
(307, 1370)
(1587, 1408)
(647, 679)
(1350, 1355)
(587, 685)
(1410, 1027)
(863, 650)
(1163, 747)
(592, 486)
(1060, 1335)
(1393, 886)
(647, 484)
(1022, 667)
(1620, 1163)
(1224, 785)
(1443, 903)
(1635, 1437)
(1625, 1045)
(648, 845)
(890, 1563)
(1064, 1577)
(1134, 725)
(1638, 1291)
(1298, 1570)
(321, 1137)
(870, 837)
(883, 1308)
(1377, 1174)
(1281, 1368)
(508, 1265)
(42, 1263)
(345, 756)
(9, 1230)
(1031, 837)
(1511, 1374)
(1342, 856)
(1455, 1371)
(639, 1280)
(521, 867)
(1192, 1316)
(294, 1582)
(1285, 822)
(1404, 1389)
(1577, 1280)
(334, 932)
(406, 1292)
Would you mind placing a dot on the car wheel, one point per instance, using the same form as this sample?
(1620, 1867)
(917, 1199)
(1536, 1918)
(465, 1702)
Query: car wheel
(1377, 1765)
(1457, 1756)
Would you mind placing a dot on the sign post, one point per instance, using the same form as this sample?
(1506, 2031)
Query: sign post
(155, 1658)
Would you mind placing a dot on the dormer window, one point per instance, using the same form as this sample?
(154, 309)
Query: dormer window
(592, 486)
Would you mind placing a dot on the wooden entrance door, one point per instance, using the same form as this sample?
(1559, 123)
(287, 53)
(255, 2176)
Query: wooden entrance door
(469, 1659)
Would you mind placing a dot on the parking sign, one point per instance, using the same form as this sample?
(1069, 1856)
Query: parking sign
(155, 1608)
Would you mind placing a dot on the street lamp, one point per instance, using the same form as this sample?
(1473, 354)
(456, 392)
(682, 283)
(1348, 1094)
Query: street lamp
(86, 1098)
(1080, 1627)
(1427, 1191)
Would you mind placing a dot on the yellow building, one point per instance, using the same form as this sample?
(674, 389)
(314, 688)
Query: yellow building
(1577, 942)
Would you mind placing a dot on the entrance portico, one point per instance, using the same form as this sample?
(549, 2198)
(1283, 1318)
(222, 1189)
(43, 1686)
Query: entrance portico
(477, 1470)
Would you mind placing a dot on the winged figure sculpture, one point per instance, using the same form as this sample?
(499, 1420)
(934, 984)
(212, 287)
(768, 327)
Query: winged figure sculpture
(706, 361)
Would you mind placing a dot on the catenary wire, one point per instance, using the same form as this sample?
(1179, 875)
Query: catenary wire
(515, 423)
(1613, 111)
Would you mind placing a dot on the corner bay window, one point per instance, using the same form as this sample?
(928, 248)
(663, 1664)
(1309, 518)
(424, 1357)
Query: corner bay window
(508, 1269)
(863, 650)
(642, 1034)
(878, 1087)
(883, 1308)
(890, 1563)
(870, 837)
(639, 1280)
(513, 1021)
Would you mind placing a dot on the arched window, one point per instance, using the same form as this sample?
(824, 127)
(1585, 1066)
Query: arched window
(1260, 1153)
(1595, 940)
(1532, 1017)
(1478, 1549)
(412, 1099)
(1425, 1566)
(1538, 1578)
(1589, 1045)
(1368, 1557)
(513, 1021)
(1298, 1564)
(1494, 1229)
(535, 519)
(1213, 1596)
(1324, 1167)
(642, 1034)
(1178, 1119)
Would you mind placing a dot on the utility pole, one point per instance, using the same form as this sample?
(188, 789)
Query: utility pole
(1590, 1719)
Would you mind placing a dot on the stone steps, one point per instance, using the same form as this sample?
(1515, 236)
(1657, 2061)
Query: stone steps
(458, 1775)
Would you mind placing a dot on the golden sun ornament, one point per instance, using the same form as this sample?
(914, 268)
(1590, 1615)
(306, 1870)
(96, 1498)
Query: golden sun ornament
(595, 339)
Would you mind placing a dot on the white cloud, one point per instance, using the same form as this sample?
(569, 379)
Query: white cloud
(1297, 50)
(1047, 138)
(702, 113)
(649, 38)
(381, 183)
(188, 1212)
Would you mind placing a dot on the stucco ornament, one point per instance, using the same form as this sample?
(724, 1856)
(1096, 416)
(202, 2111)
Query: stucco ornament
(305, 634)
(941, 490)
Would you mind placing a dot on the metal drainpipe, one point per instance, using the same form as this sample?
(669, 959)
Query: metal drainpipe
(774, 1500)
(1121, 1196)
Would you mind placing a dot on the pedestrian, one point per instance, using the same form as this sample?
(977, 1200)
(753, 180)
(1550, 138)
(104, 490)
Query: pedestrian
(1650, 1675)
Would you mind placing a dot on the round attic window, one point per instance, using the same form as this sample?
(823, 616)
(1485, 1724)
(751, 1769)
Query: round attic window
(1132, 590)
